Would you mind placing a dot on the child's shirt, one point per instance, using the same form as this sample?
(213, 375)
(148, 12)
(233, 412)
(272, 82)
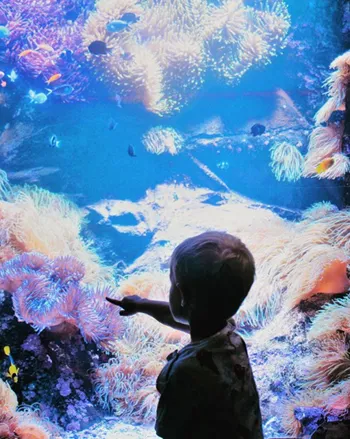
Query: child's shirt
(208, 391)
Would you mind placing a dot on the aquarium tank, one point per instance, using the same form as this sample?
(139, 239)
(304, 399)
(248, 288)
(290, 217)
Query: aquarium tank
(127, 126)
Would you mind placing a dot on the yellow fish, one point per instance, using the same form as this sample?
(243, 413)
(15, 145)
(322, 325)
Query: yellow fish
(324, 165)
(45, 47)
(13, 370)
(26, 52)
(53, 78)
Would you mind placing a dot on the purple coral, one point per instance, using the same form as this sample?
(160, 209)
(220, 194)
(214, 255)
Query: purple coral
(47, 293)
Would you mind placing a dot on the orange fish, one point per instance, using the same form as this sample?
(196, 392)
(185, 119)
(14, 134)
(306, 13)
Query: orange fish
(26, 52)
(3, 84)
(324, 165)
(53, 78)
(45, 46)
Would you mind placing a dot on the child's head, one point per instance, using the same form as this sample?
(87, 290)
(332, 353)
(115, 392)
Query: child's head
(211, 274)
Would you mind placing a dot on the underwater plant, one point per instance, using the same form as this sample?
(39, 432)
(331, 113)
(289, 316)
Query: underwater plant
(160, 59)
(159, 140)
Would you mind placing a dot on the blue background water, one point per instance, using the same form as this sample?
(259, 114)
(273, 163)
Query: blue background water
(93, 161)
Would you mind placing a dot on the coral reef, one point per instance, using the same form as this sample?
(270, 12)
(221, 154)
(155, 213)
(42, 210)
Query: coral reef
(293, 320)
(326, 138)
(48, 32)
(161, 59)
(19, 424)
(35, 220)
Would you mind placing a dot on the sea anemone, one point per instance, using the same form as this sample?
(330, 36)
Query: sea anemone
(332, 318)
(286, 162)
(159, 140)
(162, 59)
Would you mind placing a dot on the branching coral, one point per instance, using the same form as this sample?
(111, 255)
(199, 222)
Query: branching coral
(159, 140)
(326, 141)
(161, 59)
(18, 424)
(286, 162)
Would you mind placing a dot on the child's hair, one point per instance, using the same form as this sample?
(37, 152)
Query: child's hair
(214, 271)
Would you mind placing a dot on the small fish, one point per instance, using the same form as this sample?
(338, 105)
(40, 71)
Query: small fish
(2, 74)
(26, 52)
(98, 48)
(46, 47)
(116, 26)
(3, 84)
(12, 76)
(112, 124)
(13, 371)
(324, 165)
(257, 129)
(54, 78)
(54, 142)
(131, 151)
(67, 55)
(4, 32)
(62, 90)
(37, 98)
(129, 17)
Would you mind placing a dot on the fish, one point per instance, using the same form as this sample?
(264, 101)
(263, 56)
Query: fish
(116, 26)
(2, 74)
(62, 90)
(324, 165)
(4, 32)
(13, 371)
(131, 151)
(54, 78)
(257, 129)
(54, 142)
(129, 17)
(98, 48)
(3, 84)
(26, 52)
(37, 98)
(12, 76)
(46, 47)
(112, 124)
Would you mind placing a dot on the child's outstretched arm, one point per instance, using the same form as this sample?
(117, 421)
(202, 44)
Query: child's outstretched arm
(157, 309)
